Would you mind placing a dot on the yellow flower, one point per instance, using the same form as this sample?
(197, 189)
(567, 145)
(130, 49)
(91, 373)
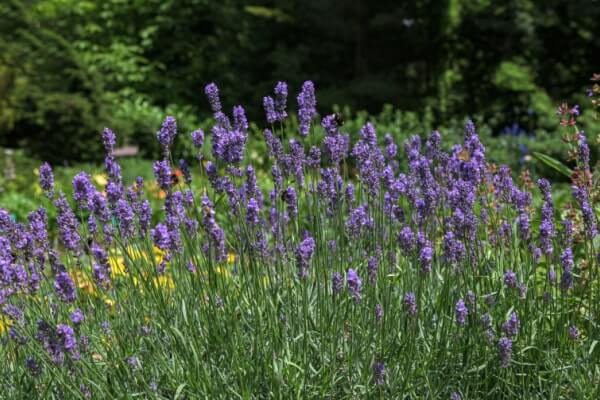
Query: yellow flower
(100, 179)
(5, 323)
(158, 255)
(133, 253)
(231, 258)
(220, 270)
(109, 302)
(136, 254)
(117, 267)
(84, 284)
(224, 272)
(164, 281)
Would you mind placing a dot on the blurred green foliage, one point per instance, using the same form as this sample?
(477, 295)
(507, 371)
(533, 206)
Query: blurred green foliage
(68, 68)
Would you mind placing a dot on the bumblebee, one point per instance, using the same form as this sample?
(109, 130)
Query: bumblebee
(207, 210)
(174, 179)
(338, 119)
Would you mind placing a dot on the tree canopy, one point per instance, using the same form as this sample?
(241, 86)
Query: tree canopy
(70, 67)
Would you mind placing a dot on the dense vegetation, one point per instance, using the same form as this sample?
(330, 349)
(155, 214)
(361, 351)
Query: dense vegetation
(359, 268)
(429, 229)
(70, 67)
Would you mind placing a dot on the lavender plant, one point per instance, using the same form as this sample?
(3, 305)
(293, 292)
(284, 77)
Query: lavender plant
(349, 279)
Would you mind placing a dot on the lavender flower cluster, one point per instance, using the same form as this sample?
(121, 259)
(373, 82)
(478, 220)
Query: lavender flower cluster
(447, 244)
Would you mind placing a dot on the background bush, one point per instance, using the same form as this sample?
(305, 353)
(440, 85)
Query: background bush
(70, 67)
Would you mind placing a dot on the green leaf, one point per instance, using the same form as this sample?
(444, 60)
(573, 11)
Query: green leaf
(553, 163)
(515, 76)
(268, 13)
(179, 390)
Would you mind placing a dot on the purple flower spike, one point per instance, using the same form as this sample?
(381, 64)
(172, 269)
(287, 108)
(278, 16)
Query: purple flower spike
(212, 92)
(65, 288)
(378, 312)
(109, 140)
(160, 237)
(198, 138)
(307, 104)
(510, 279)
(372, 268)
(354, 285)
(461, 311)
(410, 304)
(379, 372)
(166, 134)
(67, 224)
(269, 106)
(162, 172)
(425, 259)
(573, 332)
(82, 189)
(47, 180)
(505, 351)
(281, 93)
(337, 282)
(511, 327)
(77, 316)
(304, 253)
